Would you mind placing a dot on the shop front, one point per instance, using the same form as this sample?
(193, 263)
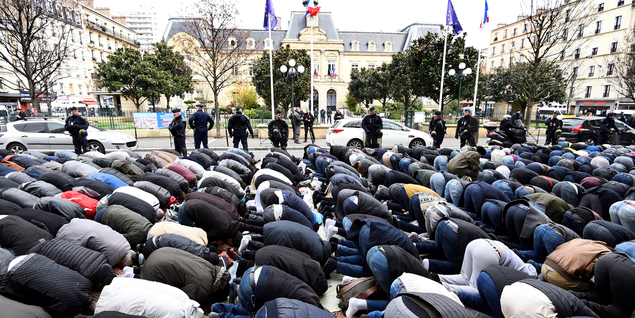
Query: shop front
(596, 107)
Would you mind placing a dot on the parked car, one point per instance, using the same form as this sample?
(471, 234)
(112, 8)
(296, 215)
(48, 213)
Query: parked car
(49, 136)
(349, 132)
(587, 129)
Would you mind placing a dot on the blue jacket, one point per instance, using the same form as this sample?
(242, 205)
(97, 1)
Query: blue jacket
(295, 202)
(299, 237)
(108, 179)
(477, 192)
(381, 233)
(199, 121)
(238, 125)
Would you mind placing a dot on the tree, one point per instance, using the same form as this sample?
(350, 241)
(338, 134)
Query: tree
(217, 47)
(404, 89)
(624, 65)
(133, 74)
(281, 85)
(360, 86)
(426, 57)
(179, 75)
(244, 95)
(381, 83)
(35, 40)
(551, 85)
(351, 102)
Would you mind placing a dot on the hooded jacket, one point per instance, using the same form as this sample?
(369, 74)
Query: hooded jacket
(466, 163)
(19, 197)
(131, 225)
(128, 168)
(47, 221)
(77, 169)
(216, 222)
(216, 201)
(176, 241)
(41, 189)
(172, 186)
(299, 237)
(294, 262)
(59, 179)
(19, 236)
(135, 199)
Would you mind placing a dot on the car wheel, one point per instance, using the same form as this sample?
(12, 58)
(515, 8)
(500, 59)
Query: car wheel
(590, 140)
(355, 143)
(416, 143)
(16, 148)
(96, 146)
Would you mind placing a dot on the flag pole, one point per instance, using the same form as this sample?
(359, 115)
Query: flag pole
(445, 47)
(273, 106)
(312, 73)
(478, 68)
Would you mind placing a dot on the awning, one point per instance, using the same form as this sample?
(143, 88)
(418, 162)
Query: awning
(90, 101)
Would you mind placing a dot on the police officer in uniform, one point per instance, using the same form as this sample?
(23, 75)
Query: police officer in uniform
(198, 122)
(237, 127)
(177, 129)
(308, 125)
(279, 131)
(517, 116)
(74, 125)
(372, 125)
(466, 128)
(553, 125)
(323, 116)
(329, 118)
(437, 128)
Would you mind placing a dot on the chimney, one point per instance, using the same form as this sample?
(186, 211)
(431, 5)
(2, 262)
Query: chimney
(104, 11)
(279, 25)
(500, 25)
(521, 17)
(88, 3)
(121, 19)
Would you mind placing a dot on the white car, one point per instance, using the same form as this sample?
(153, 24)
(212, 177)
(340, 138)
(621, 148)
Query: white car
(349, 132)
(49, 136)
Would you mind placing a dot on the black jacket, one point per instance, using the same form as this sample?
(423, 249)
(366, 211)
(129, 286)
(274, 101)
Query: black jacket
(282, 128)
(338, 115)
(19, 236)
(176, 241)
(47, 221)
(74, 124)
(134, 204)
(567, 305)
(216, 222)
(294, 262)
(466, 123)
(299, 237)
(238, 125)
(506, 126)
(177, 127)
(198, 121)
(308, 119)
(553, 124)
(371, 123)
(438, 126)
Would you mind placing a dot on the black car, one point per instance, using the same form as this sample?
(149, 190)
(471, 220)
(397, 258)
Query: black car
(587, 130)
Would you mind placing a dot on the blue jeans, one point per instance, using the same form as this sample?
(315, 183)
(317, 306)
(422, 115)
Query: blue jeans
(490, 213)
(623, 213)
(378, 264)
(405, 200)
(453, 191)
(346, 251)
(605, 231)
(437, 183)
(414, 207)
(487, 301)
(230, 311)
(403, 165)
(441, 163)
(445, 238)
(521, 192)
(546, 240)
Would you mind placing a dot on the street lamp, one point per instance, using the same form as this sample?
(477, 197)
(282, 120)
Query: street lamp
(464, 72)
(292, 72)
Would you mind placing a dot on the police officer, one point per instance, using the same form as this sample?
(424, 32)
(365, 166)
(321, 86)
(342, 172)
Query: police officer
(553, 125)
(437, 128)
(517, 116)
(329, 118)
(323, 116)
(237, 127)
(177, 129)
(372, 125)
(466, 128)
(279, 131)
(608, 127)
(198, 122)
(296, 121)
(74, 125)
(308, 125)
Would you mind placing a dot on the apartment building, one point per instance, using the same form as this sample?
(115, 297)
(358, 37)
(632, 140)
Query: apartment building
(142, 20)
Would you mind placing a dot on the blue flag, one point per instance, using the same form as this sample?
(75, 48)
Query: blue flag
(452, 19)
(270, 17)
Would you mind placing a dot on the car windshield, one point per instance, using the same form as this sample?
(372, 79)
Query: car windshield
(572, 122)
(354, 124)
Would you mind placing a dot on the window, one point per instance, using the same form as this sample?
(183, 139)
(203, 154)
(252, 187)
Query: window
(35, 127)
(513, 44)
(99, 40)
(371, 65)
(116, 45)
(600, 7)
(493, 50)
(268, 44)
(614, 47)
(632, 47)
(594, 51)
(574, 73)
(495, 36)
(388, 47)
(492, 67)
(331, 98)
(355, 67)
(83, 59)
(355, 45)
(567, 16)
(577, 54)
(92, 54)
(75, 54)
(620, 3)
(251, 43)
(90, 37)
(108, 43)
(251, 70)
(581, 31)
(515, 31)
(618, 22)
(548, 37)
(609, 69)
(233, 43)
(561, 55)
(521, 59)
(330, 66)
(525, 27)
(235, 70)
(55, 128)
(101, 56)
(607, 91)
(372, 46)
(502, 63)
(591, 70)
(565, 34)
(588, 92)
(503, 49)
(316, 67)
(598, 27)
(505, 35)
(81, 40)
(522, 44)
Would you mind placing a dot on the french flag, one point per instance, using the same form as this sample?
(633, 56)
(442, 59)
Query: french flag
(485, 16)
(332, 72)
(311, 10)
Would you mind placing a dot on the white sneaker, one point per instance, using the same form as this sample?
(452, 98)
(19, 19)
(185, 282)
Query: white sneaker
(243, 244)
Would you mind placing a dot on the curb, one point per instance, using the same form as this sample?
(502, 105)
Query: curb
(226, 148)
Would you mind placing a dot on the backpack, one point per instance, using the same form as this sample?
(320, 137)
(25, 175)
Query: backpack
(361, 288)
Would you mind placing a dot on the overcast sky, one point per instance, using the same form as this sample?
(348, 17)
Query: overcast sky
(357, 15)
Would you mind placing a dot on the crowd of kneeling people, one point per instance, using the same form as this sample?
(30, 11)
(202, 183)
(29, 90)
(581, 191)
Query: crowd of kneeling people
(526, 231)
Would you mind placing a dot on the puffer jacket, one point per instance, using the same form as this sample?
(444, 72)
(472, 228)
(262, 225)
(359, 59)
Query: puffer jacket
(299, 237)
(158, 191)
(117, 155)
(19, 197)
(140, 195)
(255, 182)
(172, 186)
(12, 308)
(128, 168)
(206, 160)
(53, 165)
(47, 221)
(97, 237)
(131, 225)
(7, 183)
(19, 177)
(294, 262)
(168, 264)
(240, 169)
(108, 179)
(229, 172)
(68, 209)
(223, 177)
(196, 168)
(24, 161)
(218, 202)
(367, 204)
(216, 222)
(165, 156)
(117, 174)
(102, 162)
(19, 236)
(183, 171)
(61, 291)
(59, 179)
(77, 169)
(176, 241)
(182, 182)
(91, 264)
(466, 163)
(228, 196)
(87, 203)
(102, 189)
(195, 234)
(41, 189)
(158, 161)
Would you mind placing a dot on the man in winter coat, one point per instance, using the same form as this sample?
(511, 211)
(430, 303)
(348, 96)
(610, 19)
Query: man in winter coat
(131, 225)
(296, 121)
(553, 125)
(467, 163)
(278, 131)
(216, 222)
(607, 127)
(322, 116)
(74, 124)
(177, 129)
(237, 126)
(631, 121)
(507, 125)
(198, 121)
(168, 265)
(308, 125)
(18, 235)
(372, 126)
(329, 117)
(466, 128)
(176, 241)
(338, 115)
(517, 116)
(437, 128)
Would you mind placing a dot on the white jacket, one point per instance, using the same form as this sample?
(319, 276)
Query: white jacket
(148, 299)
(143, 195)
(224, 177)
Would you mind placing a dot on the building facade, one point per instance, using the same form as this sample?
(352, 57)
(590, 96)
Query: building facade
(144, 22)
(589, 57)
(335, 53)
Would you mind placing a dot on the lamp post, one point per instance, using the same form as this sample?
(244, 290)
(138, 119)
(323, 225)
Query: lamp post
(292, 72)
(464, 72)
